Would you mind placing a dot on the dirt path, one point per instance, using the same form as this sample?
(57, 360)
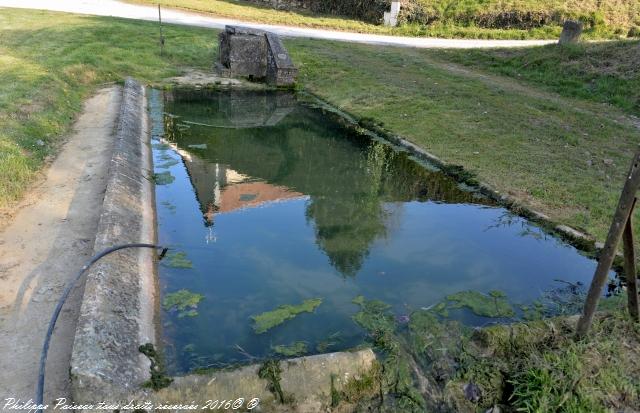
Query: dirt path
(47, 242)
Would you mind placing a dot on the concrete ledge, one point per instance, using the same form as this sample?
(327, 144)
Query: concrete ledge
(117, 313)
(307, 379)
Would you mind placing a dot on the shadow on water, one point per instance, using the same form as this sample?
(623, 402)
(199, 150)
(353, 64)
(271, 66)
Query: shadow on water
(272, 202)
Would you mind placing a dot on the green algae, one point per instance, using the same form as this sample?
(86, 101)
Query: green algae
(178, 259)
(161, 146)
(293, 350)
(168, 163)
(494, 305)
(163, 178)
(159, 378)
(272, 373)
(170, 207)
(396, 380)
(184, 301)
(329, 342)
(265, 321)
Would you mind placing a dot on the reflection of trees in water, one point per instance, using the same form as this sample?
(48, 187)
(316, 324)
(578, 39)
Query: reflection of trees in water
(508, 219)
(351, 181)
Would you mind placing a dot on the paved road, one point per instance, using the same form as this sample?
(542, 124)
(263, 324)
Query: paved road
(131, 11)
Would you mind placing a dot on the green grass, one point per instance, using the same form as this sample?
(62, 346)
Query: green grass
(50, 62)
(607, 72)
(489, 19)
(540, 367)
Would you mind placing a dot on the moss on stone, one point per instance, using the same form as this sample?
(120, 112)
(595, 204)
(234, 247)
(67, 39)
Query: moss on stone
(272, 373)
(159, 379)
(265, 321)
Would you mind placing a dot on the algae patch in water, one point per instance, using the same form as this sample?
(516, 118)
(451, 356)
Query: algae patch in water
(296, 349)
(178, 260)
(160, 146)
(184, 301)
(330, 341)
(494, 305)
(168, 163)
(267, 320)
(163, 178)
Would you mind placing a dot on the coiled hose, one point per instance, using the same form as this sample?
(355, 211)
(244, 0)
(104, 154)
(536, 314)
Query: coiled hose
(63, 298)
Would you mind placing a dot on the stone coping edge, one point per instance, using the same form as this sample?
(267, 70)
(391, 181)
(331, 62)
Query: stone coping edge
(120, 298)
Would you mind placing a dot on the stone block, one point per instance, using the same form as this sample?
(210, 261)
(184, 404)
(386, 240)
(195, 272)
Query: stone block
(255, 54)
(571, 32)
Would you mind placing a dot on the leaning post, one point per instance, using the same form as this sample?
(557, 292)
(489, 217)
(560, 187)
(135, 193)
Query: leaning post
(620, 220)
(630, 271)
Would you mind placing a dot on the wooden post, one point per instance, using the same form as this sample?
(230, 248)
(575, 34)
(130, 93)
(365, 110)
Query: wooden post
(620, 218)
(161, 36)
(630, 271)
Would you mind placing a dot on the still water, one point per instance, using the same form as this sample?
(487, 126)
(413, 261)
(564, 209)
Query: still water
(274, 203)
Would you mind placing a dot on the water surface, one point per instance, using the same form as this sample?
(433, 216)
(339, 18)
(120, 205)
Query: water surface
(273, 203)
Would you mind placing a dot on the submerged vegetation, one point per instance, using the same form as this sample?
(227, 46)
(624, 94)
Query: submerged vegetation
(292, 350)
(438, 364)
(493, 305)
(163, 178)
(184, 301)
(270, 319)
(178, 259)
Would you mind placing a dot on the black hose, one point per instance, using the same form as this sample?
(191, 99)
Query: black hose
(65, 294)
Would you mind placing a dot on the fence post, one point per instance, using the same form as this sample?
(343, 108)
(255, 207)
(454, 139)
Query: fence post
(620, 219)
(630, 271)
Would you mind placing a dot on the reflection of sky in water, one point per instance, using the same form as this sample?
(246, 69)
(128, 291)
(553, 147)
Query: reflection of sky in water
(285, 213)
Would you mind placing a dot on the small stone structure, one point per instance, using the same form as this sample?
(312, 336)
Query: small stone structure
(255, 54)
(391, 17)
(571, 32)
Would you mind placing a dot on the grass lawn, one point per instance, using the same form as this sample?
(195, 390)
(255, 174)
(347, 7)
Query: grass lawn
(459, 19)
(50, 62)
(607, 72)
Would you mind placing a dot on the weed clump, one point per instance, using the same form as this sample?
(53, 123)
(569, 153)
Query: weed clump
(159, 378)
(272, 373)
(396, 378)
(265, 321)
